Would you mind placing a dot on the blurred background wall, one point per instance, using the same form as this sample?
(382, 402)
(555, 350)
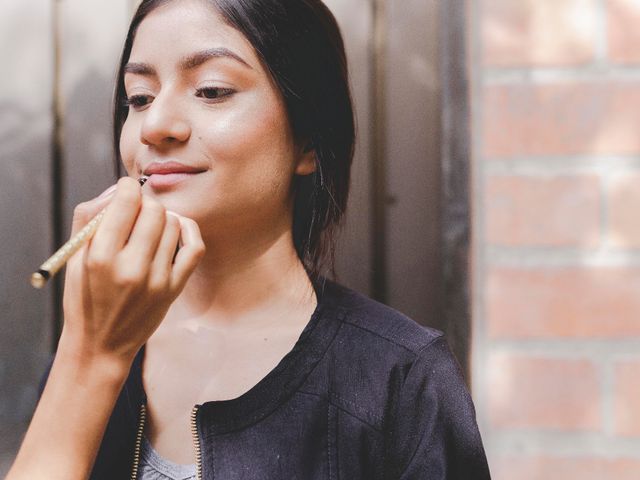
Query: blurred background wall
(55, 139)
(546, 325)
(556, 159)
(26, 127)
(58, 67)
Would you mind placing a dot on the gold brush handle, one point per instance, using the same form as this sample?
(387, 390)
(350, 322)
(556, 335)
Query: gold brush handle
(49, 268)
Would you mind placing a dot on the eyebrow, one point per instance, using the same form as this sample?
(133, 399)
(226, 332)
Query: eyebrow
(189, 62)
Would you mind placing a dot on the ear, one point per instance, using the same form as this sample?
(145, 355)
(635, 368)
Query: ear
(307, 162)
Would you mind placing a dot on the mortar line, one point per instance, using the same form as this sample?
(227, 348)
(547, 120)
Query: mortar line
(568, 347)
(604, 74)
(569, 165)
(562, 257)
(564, 444)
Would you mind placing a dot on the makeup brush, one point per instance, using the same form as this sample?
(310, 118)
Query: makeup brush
(49, 268)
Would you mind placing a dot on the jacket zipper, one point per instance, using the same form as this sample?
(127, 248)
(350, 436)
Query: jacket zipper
(196, 442)
(136, 453)
(140, 432)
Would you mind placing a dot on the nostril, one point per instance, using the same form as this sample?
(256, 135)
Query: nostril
(164, 130)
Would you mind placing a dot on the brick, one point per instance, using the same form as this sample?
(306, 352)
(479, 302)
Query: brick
(623, 208)
(627, 398)
(577, 302)
(558, 468)
(542, 393)
(561, 119)
(543, 211)
(538, 32)
(623, 18)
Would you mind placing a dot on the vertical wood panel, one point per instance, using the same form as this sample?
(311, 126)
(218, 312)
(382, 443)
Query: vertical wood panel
(411, 109)
(25, 212)
(93, 33)
(413, 160)
(456, 180)
(353, 262)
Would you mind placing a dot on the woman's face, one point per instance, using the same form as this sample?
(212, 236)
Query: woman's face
(200, 97)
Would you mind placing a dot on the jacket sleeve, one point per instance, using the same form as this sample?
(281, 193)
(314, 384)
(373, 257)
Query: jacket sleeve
(434, 434)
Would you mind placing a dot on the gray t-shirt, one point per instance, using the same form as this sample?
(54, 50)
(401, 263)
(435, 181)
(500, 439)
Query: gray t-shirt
(154, 467)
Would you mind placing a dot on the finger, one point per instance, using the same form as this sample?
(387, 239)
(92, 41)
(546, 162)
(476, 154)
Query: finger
(163, 262)
(145, 237)
(84, 212)
(189, 255)
(118, 221)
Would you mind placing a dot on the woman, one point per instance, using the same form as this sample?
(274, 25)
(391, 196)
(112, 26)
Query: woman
(237, 359)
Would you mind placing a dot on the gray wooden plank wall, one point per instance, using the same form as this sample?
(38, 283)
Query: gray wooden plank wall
(411, 110)
(413, 160)
(353, 260)
(25, 191)
(91, 36)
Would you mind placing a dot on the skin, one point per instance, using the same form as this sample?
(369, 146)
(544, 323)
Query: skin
(236, 298)
(219, 338)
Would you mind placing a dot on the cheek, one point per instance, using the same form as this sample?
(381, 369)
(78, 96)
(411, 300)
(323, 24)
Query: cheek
(128, 144)
(255, 146)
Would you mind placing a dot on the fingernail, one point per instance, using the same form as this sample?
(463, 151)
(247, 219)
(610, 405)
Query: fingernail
(108, 191)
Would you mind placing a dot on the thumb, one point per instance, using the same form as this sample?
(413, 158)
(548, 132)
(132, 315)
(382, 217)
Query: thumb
(85, 211)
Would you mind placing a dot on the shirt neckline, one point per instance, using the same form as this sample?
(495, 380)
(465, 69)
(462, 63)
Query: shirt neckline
(157, 462)
(222, 416)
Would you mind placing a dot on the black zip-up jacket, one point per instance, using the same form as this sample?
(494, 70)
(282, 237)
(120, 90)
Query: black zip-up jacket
(365, 393)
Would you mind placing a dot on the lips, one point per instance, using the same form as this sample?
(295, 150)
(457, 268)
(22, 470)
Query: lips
(166, 168)
(165, 175)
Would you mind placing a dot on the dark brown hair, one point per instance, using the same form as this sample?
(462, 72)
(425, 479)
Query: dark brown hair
(300, 45)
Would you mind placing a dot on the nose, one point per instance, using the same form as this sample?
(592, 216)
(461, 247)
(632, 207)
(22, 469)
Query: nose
(164, 124)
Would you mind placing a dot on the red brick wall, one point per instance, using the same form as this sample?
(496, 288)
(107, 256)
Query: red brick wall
(556, 168)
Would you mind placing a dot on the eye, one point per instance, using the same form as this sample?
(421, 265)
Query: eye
(137, 101)
(214, 93)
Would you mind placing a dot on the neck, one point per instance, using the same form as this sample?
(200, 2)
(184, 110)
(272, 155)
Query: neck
(239, 282)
